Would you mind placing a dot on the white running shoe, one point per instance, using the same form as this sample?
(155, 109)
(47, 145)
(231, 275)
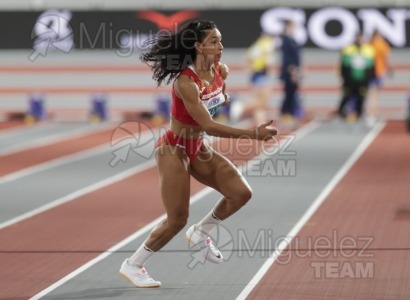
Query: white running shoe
(204, 243)
(138, 276)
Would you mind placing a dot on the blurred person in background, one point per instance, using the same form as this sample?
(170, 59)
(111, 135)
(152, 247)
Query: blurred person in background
(356, 69)
(260, 59)
(381, 63)
(290, 74)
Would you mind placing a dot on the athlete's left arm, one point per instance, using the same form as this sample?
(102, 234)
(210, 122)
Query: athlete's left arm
(224, 71)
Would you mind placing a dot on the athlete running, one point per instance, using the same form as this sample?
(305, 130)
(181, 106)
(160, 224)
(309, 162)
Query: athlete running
(192, 57)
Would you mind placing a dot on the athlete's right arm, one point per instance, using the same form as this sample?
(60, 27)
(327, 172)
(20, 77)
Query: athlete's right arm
(188, 91)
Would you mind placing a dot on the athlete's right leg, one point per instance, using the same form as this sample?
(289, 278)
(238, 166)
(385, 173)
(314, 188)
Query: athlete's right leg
(175, 186)
(175, 182)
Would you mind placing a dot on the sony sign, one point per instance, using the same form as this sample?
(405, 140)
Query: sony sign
(392, 24)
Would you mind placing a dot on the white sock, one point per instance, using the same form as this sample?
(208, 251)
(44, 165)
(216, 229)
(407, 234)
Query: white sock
(208, 223)
(140, 256)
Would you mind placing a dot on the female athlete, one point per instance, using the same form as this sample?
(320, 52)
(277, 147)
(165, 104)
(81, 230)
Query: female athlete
(192, 56)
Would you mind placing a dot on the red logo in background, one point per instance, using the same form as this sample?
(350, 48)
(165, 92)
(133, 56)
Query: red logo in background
(167, 22)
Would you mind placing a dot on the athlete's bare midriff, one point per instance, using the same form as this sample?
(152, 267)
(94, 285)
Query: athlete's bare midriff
(186, 131)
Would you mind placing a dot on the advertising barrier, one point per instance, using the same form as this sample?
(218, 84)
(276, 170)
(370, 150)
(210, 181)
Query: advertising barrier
(326, 28)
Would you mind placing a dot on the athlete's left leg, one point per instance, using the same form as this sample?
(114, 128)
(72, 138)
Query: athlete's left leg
(214, 170)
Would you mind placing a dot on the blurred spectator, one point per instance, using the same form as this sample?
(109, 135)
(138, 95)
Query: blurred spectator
(357, 69)
(290, 74)
(260, 59)
(381, 63)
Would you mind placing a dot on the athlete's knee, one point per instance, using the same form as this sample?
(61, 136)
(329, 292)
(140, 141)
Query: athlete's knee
(243, 195)
(176, 223)
(246, 195)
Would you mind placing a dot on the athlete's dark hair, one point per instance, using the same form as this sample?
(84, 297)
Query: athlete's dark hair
(170, 53)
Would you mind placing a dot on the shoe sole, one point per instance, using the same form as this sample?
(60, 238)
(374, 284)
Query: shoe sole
(138, 286)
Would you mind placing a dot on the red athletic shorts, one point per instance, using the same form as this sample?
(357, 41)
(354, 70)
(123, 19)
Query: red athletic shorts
(191, 146)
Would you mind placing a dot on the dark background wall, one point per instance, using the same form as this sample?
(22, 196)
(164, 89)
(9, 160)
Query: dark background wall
(116, 29)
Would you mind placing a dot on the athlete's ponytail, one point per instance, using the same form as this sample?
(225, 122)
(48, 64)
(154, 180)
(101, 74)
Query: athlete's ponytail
(170, 53)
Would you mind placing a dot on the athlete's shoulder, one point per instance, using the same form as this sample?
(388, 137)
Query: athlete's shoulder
(188, 72)
(185, 84)
(187, 76)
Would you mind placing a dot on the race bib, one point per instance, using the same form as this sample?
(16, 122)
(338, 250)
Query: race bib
(214, 103)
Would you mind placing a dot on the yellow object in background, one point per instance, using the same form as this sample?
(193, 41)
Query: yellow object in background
(29, 119)
(158, 120)
(95, 119)
(260, 54)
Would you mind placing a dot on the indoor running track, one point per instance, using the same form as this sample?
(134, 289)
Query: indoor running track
(329, 219)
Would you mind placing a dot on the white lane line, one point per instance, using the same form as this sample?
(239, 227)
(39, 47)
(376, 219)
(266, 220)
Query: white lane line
(301, 132)
(298, 134)
(81, 192)
(54, 163)
(54, 138)
(312, 209)
(63, 160)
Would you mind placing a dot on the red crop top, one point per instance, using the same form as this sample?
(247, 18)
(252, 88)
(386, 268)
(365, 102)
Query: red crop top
(212, 96)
